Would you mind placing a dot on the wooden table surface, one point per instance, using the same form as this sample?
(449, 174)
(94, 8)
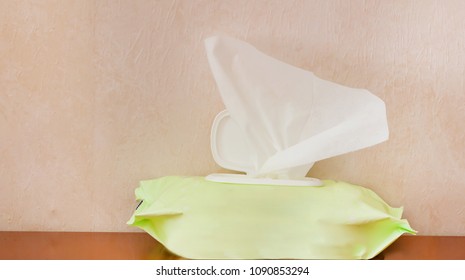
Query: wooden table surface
(140, 246)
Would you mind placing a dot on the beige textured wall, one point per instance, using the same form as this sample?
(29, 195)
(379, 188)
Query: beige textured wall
(97, 95)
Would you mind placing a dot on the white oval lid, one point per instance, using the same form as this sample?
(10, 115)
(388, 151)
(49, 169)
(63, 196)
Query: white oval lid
(228, 145)
(230, 151)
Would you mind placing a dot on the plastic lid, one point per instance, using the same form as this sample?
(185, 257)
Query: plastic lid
(230, 151)
(228, 145)
(244, 179)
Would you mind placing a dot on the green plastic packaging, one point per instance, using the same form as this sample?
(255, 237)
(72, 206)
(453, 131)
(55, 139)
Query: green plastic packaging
(199, 219)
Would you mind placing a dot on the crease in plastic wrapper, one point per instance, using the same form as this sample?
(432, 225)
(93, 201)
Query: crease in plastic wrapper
(199, 219)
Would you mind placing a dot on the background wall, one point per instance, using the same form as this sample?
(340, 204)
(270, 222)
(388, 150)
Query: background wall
(97, 95)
